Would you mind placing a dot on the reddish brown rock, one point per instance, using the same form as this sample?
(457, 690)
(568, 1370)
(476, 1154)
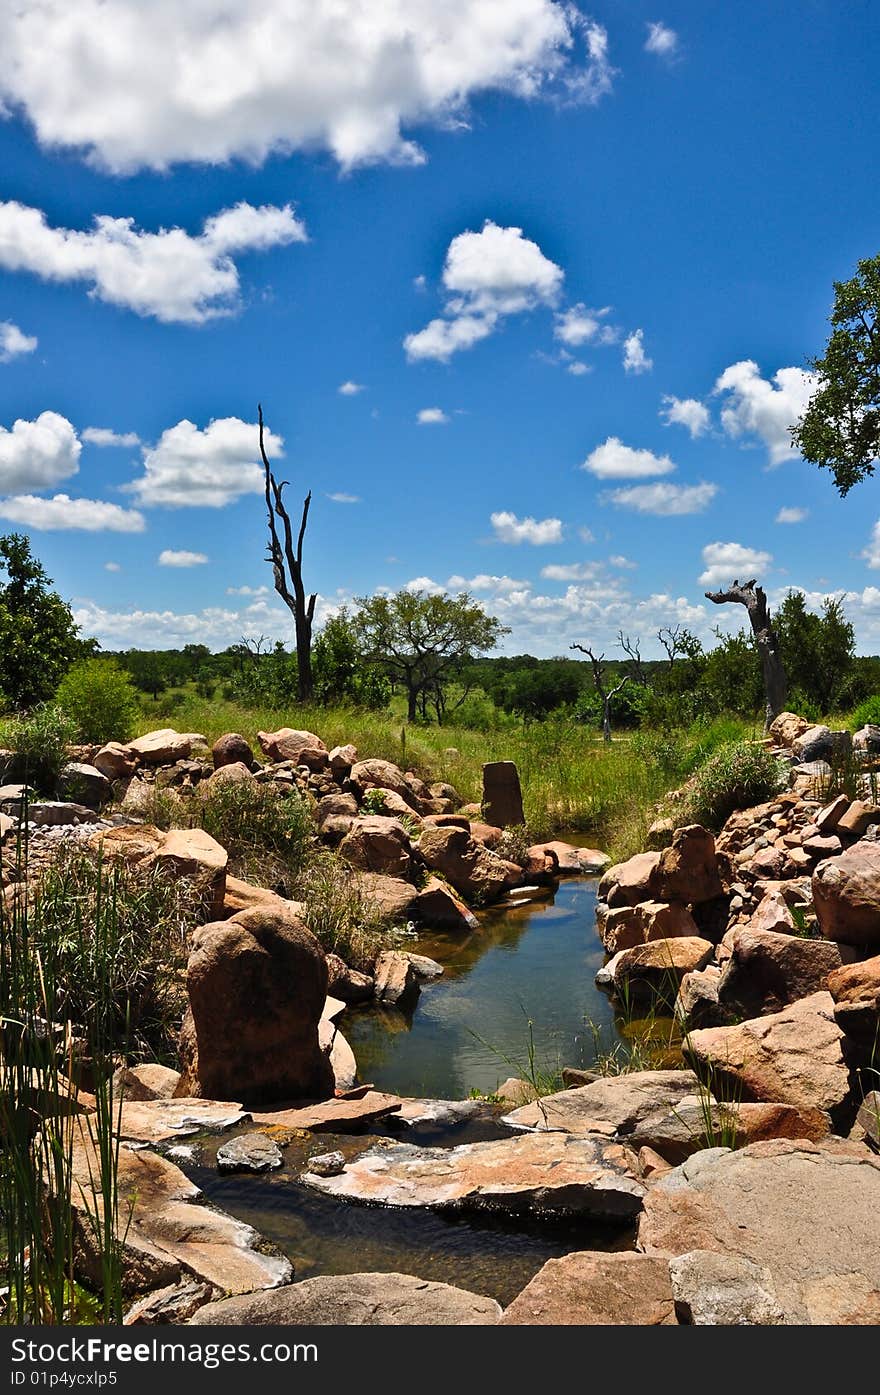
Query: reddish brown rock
(767, 970)
(342, 758)
(596, 1289)
(786, 728)
(194, 854)
(772, 913)
(650, 920)
(115, 761)
(232, 749)
(628, 883)
(382, 774)
(396, 981)
(257, 985)
(438, 907)
(347, 984)
(502, 795)
(846, 894)
(377, 844)
(289, 744)
(657, 968)
(474, 871)
(391, 899)
(688, 868)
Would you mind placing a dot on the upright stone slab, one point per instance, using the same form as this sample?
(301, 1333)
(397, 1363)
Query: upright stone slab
(502, 795)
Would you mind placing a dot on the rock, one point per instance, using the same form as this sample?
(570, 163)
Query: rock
(348, 984)
(394, 901)
(474, 871)
(377, 844)
(83, 784)
(232, 749)
(415, 1115)
(772, 913)
(437, 906)
(611, 1104)
(700, 1121)
(57, 813)
(381, 774)
(828, 817)
(846, 894)
(235, 773)
(688, 868)
(786, 728)
(424, 967)
(163, 1120)
(335, 805)
(145, 1082)
(820, 743)
(628, 883)
(392, 806)
(515, 1091)
(131, 843)
(241, 896)
(656, 968)
(289, 744)
(793, 1056)
(855, 989)
(858, 818)
(332, 1115)
(336, 1047)
(571, 861)
(488, 835)
(163, 1232)
(171, 1305)
(326, 1164)
(396, 981)
(595, 1289)
(194, 854)
(342, 758)
(115, 761)
(257, 985)
(542, 1173)
(697, 1002)
(868, 1117)
(867, 739)
(164, 747)
(809, 1213)
(627, 926)
(660, 835)
(249, 1152)
(767, 970)
(720, 1290)
(13, 798)
(502, 795)
(355, 1300)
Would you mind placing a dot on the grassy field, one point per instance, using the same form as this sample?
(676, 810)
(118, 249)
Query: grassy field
(570, 778)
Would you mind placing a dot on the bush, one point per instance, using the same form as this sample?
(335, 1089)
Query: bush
(40, 741)
(267, 835)
(737, 776)
(101, 700)
(866, 714)
(343, 920)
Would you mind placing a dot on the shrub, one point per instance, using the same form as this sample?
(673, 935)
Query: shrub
(268, 835)
(737, 776)
(866, 714)
(340, 916)
(40, 741)
(101, 699)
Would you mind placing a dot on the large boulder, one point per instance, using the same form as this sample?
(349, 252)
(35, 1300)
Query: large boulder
(767, 970)
(655, 969)
(502, 795)
(84, 784)
(628, 883)
(786, 728)
(438, 907)
(194, 854)
(688, 868)
(393, 901)
(591, 1288)
(855, 989)
(627, 926)
(354, 1300)
(793, 1057)
(846, 894)
(476, 873)
(612, 1104)
(230, 749)
(165, 746)
(257, 986)
(821, 743)
(378, 844)
(383, 775)
(289, 744)
(808, 1213)
(396, 980)
(115, 761)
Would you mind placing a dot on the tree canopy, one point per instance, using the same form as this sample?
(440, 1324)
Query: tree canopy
(840, 430)
(39, 638)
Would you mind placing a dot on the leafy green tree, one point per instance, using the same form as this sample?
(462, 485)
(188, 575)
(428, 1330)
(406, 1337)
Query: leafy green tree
(423, 642)
(340, 675)
(818, 650)
(840, 429)
(38, 634)
(100, 698)
(732, 680)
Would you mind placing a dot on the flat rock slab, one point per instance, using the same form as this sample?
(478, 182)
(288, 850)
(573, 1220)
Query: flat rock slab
(593, 1289)
(165, 1232)
(159, 1120)
(615, 1104)
(807, 1213)
(250, 1152)
(545, 1173)
(332, 1116)
(415, 1114)
(354, 1300)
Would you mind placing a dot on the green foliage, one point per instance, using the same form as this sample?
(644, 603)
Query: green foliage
(267, 834)
(38, 634)
(339, 672)
(99, 696)
(423, 642)
(866, 714)
(840, 430)
(737, 776)
(40, 740)
(817, 651)
(341, 917)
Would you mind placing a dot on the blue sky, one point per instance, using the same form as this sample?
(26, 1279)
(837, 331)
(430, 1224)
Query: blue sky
(595, 246)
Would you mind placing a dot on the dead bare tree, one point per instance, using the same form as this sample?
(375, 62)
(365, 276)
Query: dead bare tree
(286, 562)
(753, 597)
(606, 695)
(633, 650)
(672, 637)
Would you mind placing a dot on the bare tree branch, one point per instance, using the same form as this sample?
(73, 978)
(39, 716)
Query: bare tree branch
(753, 597)
(287, 569)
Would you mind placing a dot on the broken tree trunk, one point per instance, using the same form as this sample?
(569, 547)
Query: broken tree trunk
(754, 599)
(291, 591)
(606, 695)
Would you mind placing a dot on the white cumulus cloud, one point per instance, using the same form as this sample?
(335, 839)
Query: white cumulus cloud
(635, 360)
(510, 529)
(63, 514)
(661, 40)
(169, 274)
(190, 467)
(766, 408)
(686, 411)
(349, 388)
(871, 554)
(579, 325)
(13, 342)
(792, 515)
(575, 571)
(487, 275)
(103, 436)
(725, 562)
(38, 454)
(615, 461)
(182, 558)
(665, 500)
(134, 85)
(432, 416)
